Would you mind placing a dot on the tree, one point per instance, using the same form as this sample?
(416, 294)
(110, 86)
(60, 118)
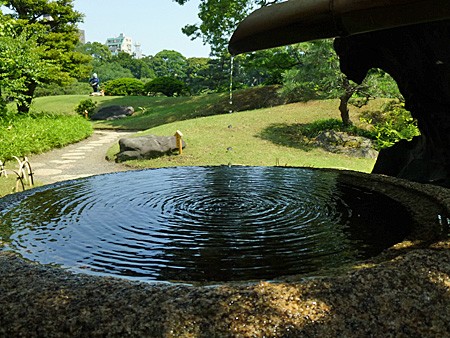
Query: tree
(99, 52)
(168, 63)
(52, 27)
(318, 76)
(138, 67)
(196, 74)
(266, 67)
(219, 18)
(22, 67)
(20, 62)
(308, 70)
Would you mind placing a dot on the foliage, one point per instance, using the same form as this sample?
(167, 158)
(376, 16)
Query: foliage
(48, 32)
(266, 67)
(392, 124)
(138, 67)
(27, 134)
(387, 126)
(313, 129)
(22, 67)
(219, 18)
(124, 86)
(86, 105)
(168, 63)
(197, 75)
(72, 88)
(166, 85)
(98, 51)
(318, 76)
(111, 70)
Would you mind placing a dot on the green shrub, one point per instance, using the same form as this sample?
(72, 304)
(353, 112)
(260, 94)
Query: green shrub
(392, 124)
(124, 87)
(387, 126)
(74, 88)
(313, 129)
(29, 134)
(166, 85)
(86, 105)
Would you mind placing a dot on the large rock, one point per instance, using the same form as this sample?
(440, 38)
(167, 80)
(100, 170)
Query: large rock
(112, 113)
(146, 147)
(343, 143)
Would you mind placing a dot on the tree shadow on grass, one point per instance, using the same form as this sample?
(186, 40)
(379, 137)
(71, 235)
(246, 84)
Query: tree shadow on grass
(288, 135)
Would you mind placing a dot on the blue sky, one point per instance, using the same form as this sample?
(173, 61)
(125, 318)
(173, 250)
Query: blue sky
(156, 24)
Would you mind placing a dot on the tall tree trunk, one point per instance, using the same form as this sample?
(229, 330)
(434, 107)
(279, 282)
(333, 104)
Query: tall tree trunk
(2, 104)
(23, 106)
(343, 104)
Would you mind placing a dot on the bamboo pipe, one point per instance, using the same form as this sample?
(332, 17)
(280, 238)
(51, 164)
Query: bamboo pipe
(303, 20)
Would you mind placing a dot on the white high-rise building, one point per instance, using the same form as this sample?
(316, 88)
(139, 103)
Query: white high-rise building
(137, 50)
(120, 44)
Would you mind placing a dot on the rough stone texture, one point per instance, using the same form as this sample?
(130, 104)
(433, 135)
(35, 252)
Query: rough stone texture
(405, 292)
(418, 58)
(146, 147)
(112, 113)
(342, 143)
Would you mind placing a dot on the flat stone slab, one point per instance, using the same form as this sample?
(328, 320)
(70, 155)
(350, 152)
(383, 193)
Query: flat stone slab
(62, 161)
(112, 113)
(48, 172)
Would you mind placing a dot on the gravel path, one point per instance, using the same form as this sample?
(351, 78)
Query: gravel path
(85, 158)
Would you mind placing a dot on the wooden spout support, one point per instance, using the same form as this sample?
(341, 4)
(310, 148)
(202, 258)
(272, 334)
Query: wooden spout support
(179, 138)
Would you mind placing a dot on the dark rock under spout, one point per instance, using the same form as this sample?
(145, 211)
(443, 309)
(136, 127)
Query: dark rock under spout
(418, 58)
(409, 39)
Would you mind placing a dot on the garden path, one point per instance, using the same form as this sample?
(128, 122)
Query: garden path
(85, 158)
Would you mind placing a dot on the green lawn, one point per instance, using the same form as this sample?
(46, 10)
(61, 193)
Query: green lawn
(258, 137)
(254, 138)
(150, 111)
(154, 111)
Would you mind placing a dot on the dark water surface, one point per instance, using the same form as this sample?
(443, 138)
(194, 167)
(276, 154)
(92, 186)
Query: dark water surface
(202, 223)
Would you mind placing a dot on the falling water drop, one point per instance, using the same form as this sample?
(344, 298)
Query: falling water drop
(231, 83)
(231, 93)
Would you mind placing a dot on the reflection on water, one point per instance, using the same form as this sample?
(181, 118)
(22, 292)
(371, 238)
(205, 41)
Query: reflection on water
(202, 224)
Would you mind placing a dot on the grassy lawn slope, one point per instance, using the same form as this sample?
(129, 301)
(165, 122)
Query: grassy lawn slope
(248, 138)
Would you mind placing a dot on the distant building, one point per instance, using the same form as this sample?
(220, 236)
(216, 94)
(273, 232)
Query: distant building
(82, 36)
(120, 44)
(137, 50)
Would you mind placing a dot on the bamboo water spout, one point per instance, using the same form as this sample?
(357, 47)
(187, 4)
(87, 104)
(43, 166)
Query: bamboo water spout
(298, 21)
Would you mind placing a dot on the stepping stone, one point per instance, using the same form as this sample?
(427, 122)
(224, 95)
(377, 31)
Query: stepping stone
(37, 165)
(65, 166)
(76, 158)
(47, 172)
(73, 153)
(62, 161)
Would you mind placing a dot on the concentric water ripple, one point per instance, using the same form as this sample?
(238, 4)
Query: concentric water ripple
(202, 223)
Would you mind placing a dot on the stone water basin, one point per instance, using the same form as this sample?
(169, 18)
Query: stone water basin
(353, 296)
(204, 224)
